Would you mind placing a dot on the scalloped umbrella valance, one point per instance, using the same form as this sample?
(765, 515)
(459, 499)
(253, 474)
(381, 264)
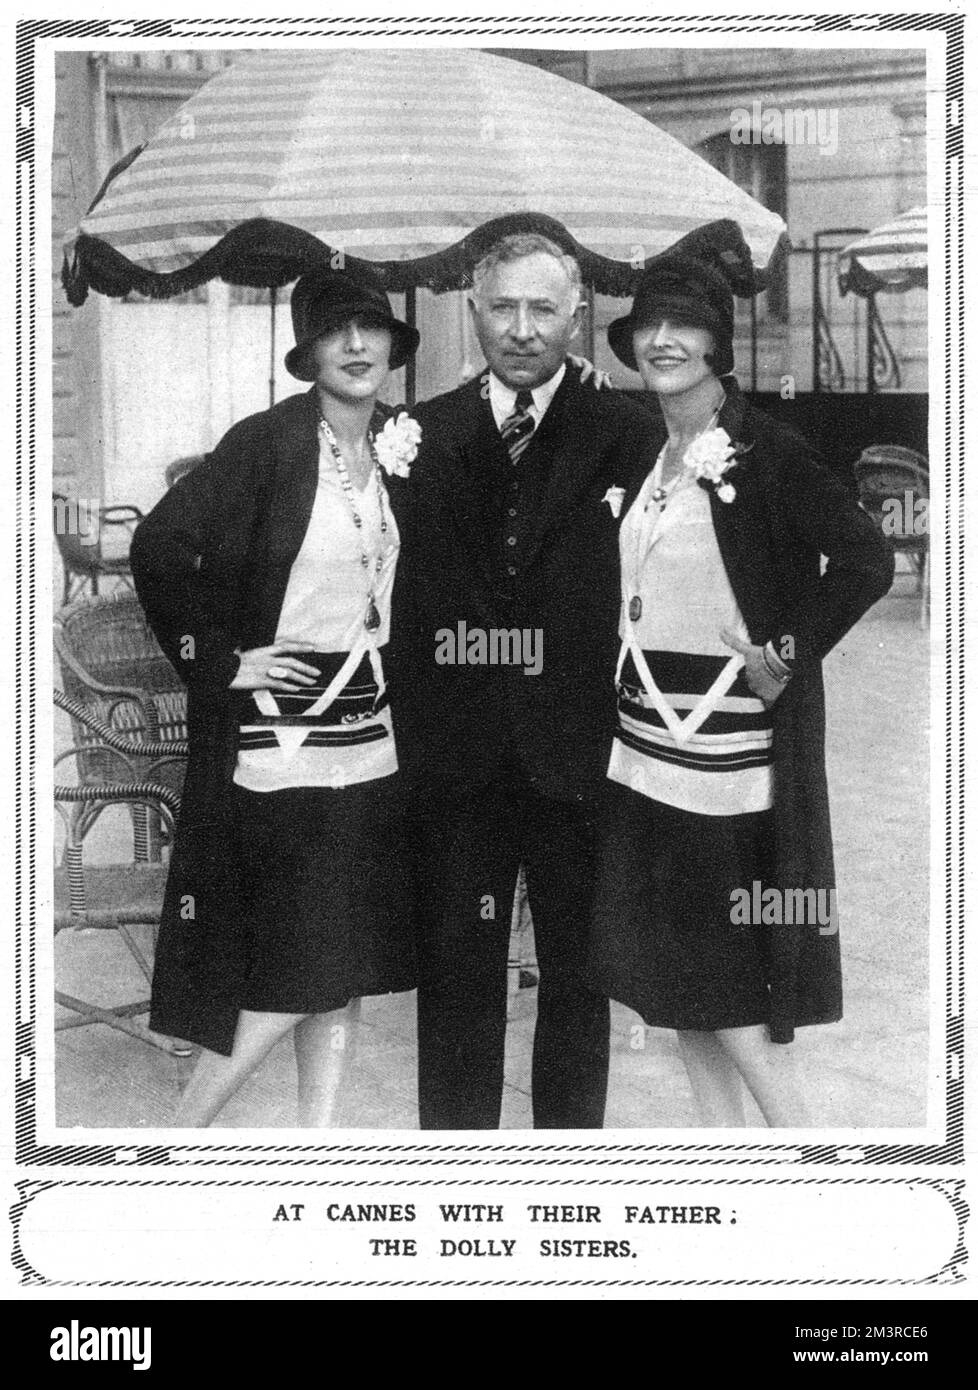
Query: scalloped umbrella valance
(411, 160)
(891, 258)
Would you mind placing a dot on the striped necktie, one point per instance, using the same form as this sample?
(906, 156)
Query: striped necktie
(517, 429)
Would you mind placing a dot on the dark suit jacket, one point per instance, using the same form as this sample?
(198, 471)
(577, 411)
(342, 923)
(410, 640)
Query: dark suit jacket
(789, 511)
(557, 724)
(211, 564)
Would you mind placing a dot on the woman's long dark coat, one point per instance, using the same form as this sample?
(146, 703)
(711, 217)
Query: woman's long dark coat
(211, 564)
(788, 512)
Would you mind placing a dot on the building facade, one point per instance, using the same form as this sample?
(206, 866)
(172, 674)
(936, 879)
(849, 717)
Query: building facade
(829, 138)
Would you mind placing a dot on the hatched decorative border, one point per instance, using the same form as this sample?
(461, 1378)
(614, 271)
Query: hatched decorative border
(30, 604)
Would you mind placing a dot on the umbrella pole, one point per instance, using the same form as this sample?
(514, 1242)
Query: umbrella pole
(410, 368)
(273, 300)
(870, 343)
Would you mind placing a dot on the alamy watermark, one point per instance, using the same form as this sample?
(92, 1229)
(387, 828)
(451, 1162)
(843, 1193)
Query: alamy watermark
(79, 1342)
(78, 516)
(494, 646)
(786, 125)
(758, 906)
(902, 517)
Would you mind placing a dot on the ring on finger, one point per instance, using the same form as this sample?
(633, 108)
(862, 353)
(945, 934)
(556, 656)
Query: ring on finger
(277, 673)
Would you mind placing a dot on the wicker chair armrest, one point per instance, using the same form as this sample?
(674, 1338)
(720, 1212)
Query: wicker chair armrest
(120, 742)
(150, 792)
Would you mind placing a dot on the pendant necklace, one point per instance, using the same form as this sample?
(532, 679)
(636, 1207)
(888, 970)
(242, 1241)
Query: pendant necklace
(660, 495)
(659, 498)
(371, 620)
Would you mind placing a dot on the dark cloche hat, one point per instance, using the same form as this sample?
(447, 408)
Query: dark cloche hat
(693, 282)
(326, 299)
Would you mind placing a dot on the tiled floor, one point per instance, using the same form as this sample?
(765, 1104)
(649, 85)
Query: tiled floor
(870, 1071)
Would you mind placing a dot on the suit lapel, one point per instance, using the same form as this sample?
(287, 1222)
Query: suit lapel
(399, 496)
(479, 456)
(570, 436)
(637, 476)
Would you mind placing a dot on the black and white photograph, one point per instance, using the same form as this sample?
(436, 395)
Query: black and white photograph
(504, 573)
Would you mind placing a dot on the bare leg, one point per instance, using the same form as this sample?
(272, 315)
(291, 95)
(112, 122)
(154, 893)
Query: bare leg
(324, 1048)
(216, 1078)
(768, 1070)
(714, 1079)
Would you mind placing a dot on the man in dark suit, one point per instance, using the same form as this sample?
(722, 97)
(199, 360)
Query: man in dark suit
(516, 488)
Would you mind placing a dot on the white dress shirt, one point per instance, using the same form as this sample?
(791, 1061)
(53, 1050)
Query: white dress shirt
(502, 398)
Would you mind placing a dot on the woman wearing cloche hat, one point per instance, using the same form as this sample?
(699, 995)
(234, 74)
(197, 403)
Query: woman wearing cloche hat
(268, 576)
(715, 903)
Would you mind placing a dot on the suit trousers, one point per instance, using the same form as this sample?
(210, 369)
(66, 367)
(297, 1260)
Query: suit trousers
(473, 842)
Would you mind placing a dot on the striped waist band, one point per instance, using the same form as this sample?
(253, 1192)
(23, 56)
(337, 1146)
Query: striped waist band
(357, 703)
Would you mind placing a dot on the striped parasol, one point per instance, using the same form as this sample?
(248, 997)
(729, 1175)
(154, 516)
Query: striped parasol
(890, 258)
(408, 159)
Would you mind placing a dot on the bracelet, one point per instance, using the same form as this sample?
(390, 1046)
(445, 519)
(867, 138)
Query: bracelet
(782, 677)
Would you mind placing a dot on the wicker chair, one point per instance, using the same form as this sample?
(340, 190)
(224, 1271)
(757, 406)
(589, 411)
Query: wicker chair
(115, 897)
(892, 480)
(113, 669)
(85, 563)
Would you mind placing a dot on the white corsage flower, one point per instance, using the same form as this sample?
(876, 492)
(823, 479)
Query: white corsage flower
(709, 457)
(614, 498)
(397, 444)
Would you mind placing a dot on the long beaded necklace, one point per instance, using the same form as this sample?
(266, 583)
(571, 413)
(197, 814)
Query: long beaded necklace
(371, 619)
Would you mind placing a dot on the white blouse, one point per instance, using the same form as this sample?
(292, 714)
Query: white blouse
(696, 737)
(325, 604)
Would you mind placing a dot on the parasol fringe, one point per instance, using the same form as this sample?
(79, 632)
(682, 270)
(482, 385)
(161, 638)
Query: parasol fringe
(265, 254)
(860, 281)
